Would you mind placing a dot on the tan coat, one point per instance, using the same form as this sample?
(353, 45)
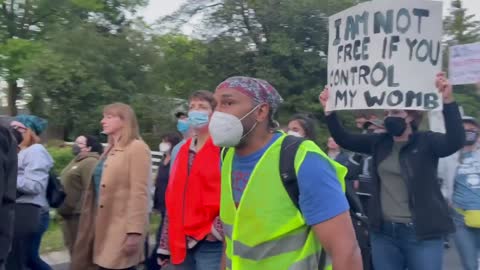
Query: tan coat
(122, 208)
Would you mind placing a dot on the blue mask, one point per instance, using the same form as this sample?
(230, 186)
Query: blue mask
(198, 119)
(183, 126)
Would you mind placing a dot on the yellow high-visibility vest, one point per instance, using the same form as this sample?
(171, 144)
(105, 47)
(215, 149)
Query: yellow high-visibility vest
(267, 231)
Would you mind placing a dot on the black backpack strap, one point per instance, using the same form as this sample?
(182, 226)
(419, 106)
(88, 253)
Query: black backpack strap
(288, 152)
(223, 153)
(323, 260)
(353, 199)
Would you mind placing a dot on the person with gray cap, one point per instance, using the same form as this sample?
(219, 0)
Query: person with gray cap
(31, 208)
(265, 228)
(465, 199)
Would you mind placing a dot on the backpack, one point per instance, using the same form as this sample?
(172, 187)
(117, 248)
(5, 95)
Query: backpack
(55, 192)
(288, 152)
(289, 178)
(288, 174)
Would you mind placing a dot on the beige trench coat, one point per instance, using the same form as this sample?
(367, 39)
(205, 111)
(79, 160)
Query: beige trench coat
(121, 208)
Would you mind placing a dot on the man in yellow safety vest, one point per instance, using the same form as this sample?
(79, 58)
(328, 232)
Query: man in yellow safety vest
(264, 229)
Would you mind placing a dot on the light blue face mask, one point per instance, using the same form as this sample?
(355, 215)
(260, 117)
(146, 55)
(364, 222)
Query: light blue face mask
(198, 119)
(183, 126)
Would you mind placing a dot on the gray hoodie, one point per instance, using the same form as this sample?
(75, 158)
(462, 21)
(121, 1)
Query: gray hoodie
(34, 164)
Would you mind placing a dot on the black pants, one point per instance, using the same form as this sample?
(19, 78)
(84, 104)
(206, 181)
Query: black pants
(151, 263)
(27, 222)
(7, 218)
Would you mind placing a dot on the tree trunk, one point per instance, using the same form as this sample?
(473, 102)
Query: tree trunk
(13, 92)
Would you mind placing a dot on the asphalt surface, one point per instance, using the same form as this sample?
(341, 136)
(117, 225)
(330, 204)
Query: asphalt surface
(451, 261)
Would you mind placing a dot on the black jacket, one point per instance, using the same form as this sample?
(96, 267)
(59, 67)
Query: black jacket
(419, 162)
(8, 189)
(161, 183)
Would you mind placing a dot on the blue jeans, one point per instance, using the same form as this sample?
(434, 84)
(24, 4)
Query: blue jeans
(396, 247)
(467, 241)
(151, 263)
(205, 256)
(34, 261)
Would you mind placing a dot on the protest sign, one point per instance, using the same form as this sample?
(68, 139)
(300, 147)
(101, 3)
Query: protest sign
(464, 64)
(385, 54)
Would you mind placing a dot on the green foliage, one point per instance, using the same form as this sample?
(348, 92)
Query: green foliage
(14, 53)
(24, 25)
(61, 157)
(460, 27)
(156, 115)
(93, 5)
(85, 54)
(71, 84)
(467, 97)
(181, 67)
(286, 45)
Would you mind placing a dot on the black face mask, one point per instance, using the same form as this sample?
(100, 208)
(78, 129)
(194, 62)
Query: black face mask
(395, 126)
(471, 137)
(76, 150)
(18, 136)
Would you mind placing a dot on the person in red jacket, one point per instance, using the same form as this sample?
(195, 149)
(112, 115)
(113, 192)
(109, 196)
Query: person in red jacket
(192, 237)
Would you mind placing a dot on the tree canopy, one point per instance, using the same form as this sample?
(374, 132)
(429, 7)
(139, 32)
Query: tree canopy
(68, 58)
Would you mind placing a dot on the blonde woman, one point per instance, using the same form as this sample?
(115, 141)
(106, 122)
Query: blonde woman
(114, 216)
(31, 207)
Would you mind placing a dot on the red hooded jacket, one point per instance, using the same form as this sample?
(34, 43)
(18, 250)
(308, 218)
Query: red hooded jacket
(193, 199)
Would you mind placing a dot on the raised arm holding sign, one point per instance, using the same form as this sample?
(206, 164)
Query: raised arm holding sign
(406, 201)
(387, 55)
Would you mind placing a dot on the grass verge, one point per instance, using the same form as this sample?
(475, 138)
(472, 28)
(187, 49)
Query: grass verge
(53, 239)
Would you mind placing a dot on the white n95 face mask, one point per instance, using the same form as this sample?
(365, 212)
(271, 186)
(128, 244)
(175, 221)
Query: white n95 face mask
(226, 129)
(164, 147)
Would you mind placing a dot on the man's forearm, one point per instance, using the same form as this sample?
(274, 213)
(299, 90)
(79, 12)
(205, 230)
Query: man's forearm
(339, 241)
(348, 260)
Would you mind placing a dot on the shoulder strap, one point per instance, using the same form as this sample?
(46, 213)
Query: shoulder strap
(288, 152)
(223, 153)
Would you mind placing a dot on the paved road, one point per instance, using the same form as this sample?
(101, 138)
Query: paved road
(451, 261)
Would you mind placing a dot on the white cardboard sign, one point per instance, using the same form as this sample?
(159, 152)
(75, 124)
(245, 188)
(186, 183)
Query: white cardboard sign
(464, 64)
(385, 54)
